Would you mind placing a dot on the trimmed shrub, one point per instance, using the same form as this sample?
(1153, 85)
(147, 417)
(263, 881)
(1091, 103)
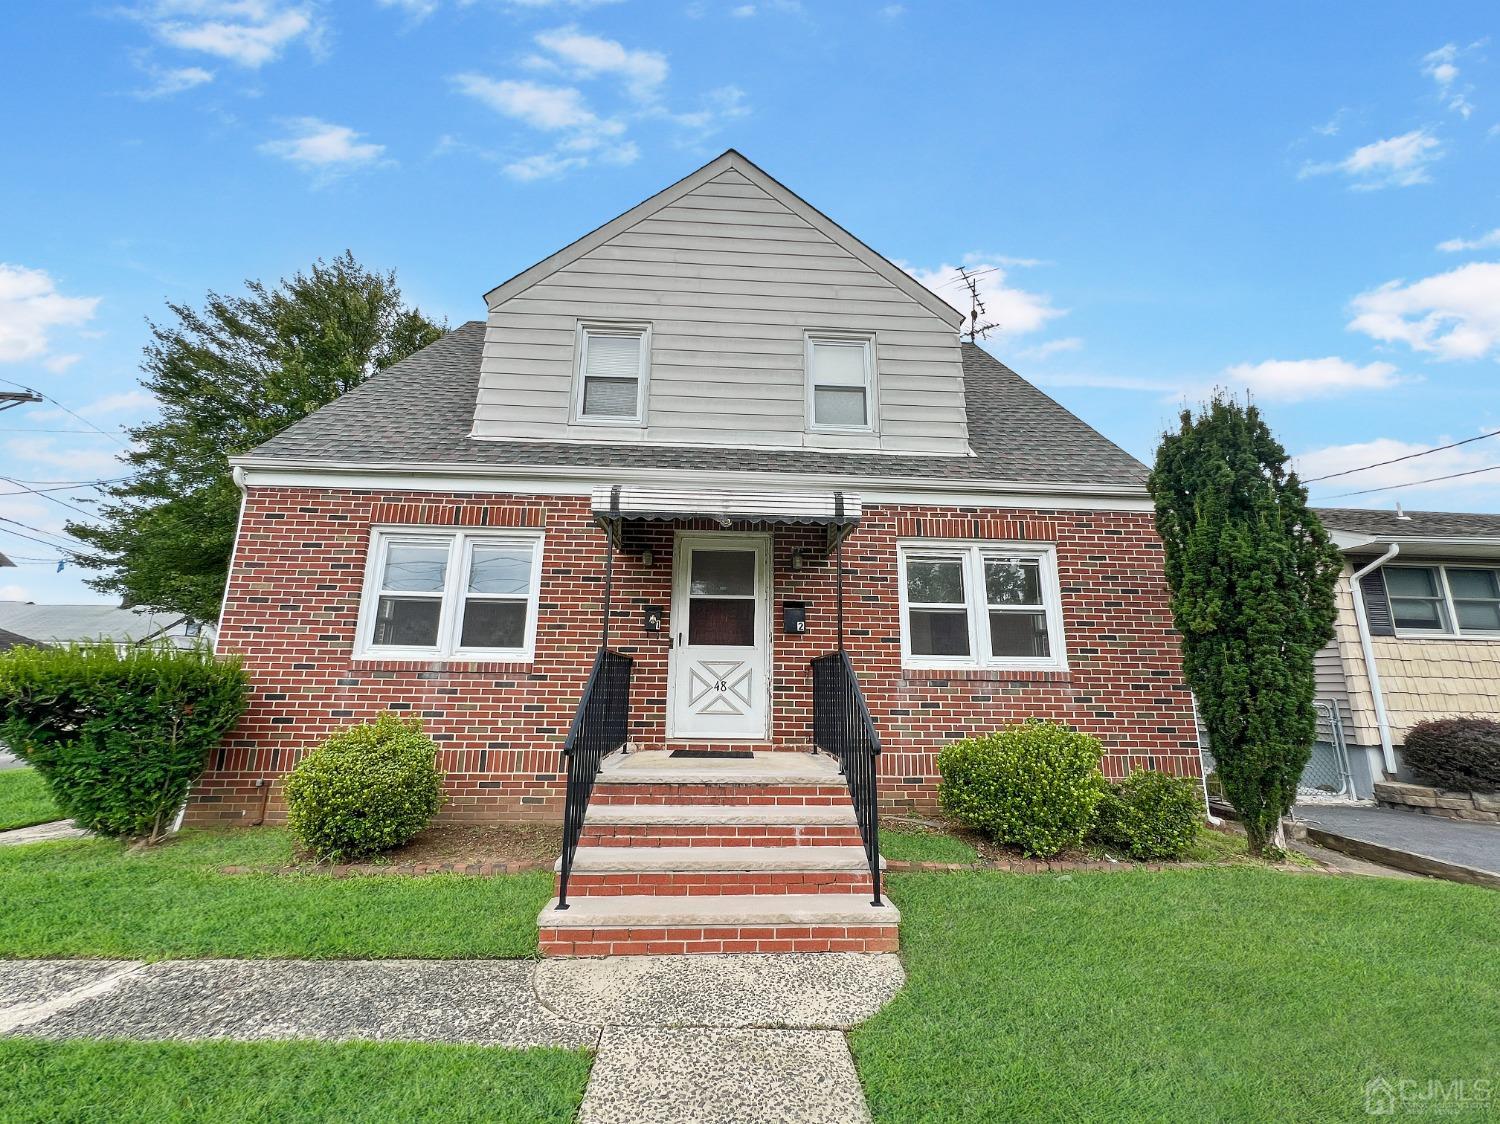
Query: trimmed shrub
(1462, 754)
(1032, 786)
(365, 790)
(120, 736)
(1150, 815)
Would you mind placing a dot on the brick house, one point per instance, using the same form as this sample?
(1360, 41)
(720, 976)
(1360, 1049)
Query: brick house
(689, 415)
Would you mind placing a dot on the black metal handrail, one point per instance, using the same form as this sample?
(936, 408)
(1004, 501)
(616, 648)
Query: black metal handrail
(843, 728)
(600, 727)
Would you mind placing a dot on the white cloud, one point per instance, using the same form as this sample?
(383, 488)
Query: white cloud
(165, 83)
(1272, 380)
(589, 56)
(1013, 311)
(14, 592)
(1050, 348)
(1296, 380)
(1453, 315)
(1339, 458)
(1439, 65)
(80, 462)
(249, 33)
(541, 107)
(416, 9)
(1483, 242)
(57, 364)
(1400, 161)
(892, 11)
(135, 401)
(559, 3)
(715, 108)
(30, 307)
(318, 146)
(742, 11)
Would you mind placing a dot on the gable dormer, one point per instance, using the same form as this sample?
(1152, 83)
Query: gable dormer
(723, 310)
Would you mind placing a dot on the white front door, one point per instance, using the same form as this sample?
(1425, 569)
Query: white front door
(721, 632)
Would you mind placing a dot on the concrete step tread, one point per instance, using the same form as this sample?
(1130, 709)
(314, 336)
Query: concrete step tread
(657, 766)
(726, 815)
(630, 860)
(718, 911)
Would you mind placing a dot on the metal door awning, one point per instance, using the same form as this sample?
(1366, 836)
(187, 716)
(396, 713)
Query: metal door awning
(620, 504)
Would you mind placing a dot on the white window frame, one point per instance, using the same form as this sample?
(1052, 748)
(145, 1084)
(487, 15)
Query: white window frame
(973, 554)
(872, 406)
(1454, 631)
(580, 369)
(461, 544)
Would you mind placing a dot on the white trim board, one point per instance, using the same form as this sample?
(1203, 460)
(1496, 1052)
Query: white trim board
(581, 481)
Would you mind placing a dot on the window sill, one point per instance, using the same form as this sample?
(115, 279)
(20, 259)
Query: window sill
(987, 674)
(1469, 638)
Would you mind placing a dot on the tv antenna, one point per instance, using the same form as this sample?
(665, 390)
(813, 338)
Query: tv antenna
(977, 329)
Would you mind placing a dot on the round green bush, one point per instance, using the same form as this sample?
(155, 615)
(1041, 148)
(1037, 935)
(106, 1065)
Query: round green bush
(365, 790)
(1032, 786)
(1459, 754)
(1150, 815)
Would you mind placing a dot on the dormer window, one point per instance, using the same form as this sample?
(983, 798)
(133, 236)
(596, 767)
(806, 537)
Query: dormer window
(613, 364)
(840, 383)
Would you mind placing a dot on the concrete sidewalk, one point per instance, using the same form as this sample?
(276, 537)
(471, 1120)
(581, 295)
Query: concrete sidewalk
(1460, 852)
(679, 1039)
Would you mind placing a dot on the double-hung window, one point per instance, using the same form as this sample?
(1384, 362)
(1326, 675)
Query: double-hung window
(1444, 600)
(613, 365)
(980, 605)
(445, 595)
(840, 383)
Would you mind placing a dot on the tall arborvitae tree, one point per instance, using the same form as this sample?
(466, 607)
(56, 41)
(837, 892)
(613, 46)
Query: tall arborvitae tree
(1252, 574)
(228, 378)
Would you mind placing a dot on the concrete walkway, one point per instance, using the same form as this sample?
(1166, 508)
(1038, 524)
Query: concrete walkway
(1461, 852)
(679, 1039)
(41, 833)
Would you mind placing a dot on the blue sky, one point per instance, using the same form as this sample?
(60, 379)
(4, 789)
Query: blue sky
(1301, 200)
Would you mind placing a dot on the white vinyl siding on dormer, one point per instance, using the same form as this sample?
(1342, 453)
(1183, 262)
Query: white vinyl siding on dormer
(731, 282)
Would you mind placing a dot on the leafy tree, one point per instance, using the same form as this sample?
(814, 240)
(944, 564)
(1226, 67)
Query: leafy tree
(229, 377)
(1252, 572)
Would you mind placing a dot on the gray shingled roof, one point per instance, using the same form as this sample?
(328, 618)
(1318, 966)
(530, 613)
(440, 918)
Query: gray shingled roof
(1420, 524)
(420, 411)
(60, 624)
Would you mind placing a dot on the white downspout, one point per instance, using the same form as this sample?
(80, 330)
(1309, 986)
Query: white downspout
(1372, 673)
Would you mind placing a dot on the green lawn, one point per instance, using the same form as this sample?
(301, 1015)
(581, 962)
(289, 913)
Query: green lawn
(168, 1082)
(24, 800)
(1210, 994)
(924, 846)
(93, 897)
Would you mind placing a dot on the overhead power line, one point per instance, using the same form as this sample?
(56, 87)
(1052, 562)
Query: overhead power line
(1412, 483)
(115, 437)
(1409, 456)
(45, 493)
(61, 540)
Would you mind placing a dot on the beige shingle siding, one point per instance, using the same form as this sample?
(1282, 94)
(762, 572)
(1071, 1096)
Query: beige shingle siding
(1420, 678)
(729, 279)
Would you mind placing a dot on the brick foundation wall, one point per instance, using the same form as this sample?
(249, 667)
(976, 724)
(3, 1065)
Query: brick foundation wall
(298, 574)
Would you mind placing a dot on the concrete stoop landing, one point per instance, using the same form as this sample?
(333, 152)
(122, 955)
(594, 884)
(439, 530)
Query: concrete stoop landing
(748, 855)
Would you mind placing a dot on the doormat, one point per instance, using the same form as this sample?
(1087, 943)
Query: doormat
(713, 754)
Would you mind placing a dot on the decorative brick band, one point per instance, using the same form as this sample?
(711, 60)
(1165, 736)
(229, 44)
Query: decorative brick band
(458, 514)
(717, 939)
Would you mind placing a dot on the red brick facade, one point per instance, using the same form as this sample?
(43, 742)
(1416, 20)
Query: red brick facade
(298, 575)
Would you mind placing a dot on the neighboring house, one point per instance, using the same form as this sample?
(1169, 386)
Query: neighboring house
(9, 640)
(737, 390)
(1422, 638)
(61, 624)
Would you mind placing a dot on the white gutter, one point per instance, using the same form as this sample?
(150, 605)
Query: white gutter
(1362, 624)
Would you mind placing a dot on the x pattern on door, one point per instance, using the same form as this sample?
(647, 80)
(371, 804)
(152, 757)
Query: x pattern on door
(721, 687)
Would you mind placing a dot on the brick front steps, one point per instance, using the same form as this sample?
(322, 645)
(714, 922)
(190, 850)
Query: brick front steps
(630, 926)
(718, 856)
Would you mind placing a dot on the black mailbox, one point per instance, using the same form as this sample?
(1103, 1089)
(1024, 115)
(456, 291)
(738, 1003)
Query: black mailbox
(794, 616)
(652, 622)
